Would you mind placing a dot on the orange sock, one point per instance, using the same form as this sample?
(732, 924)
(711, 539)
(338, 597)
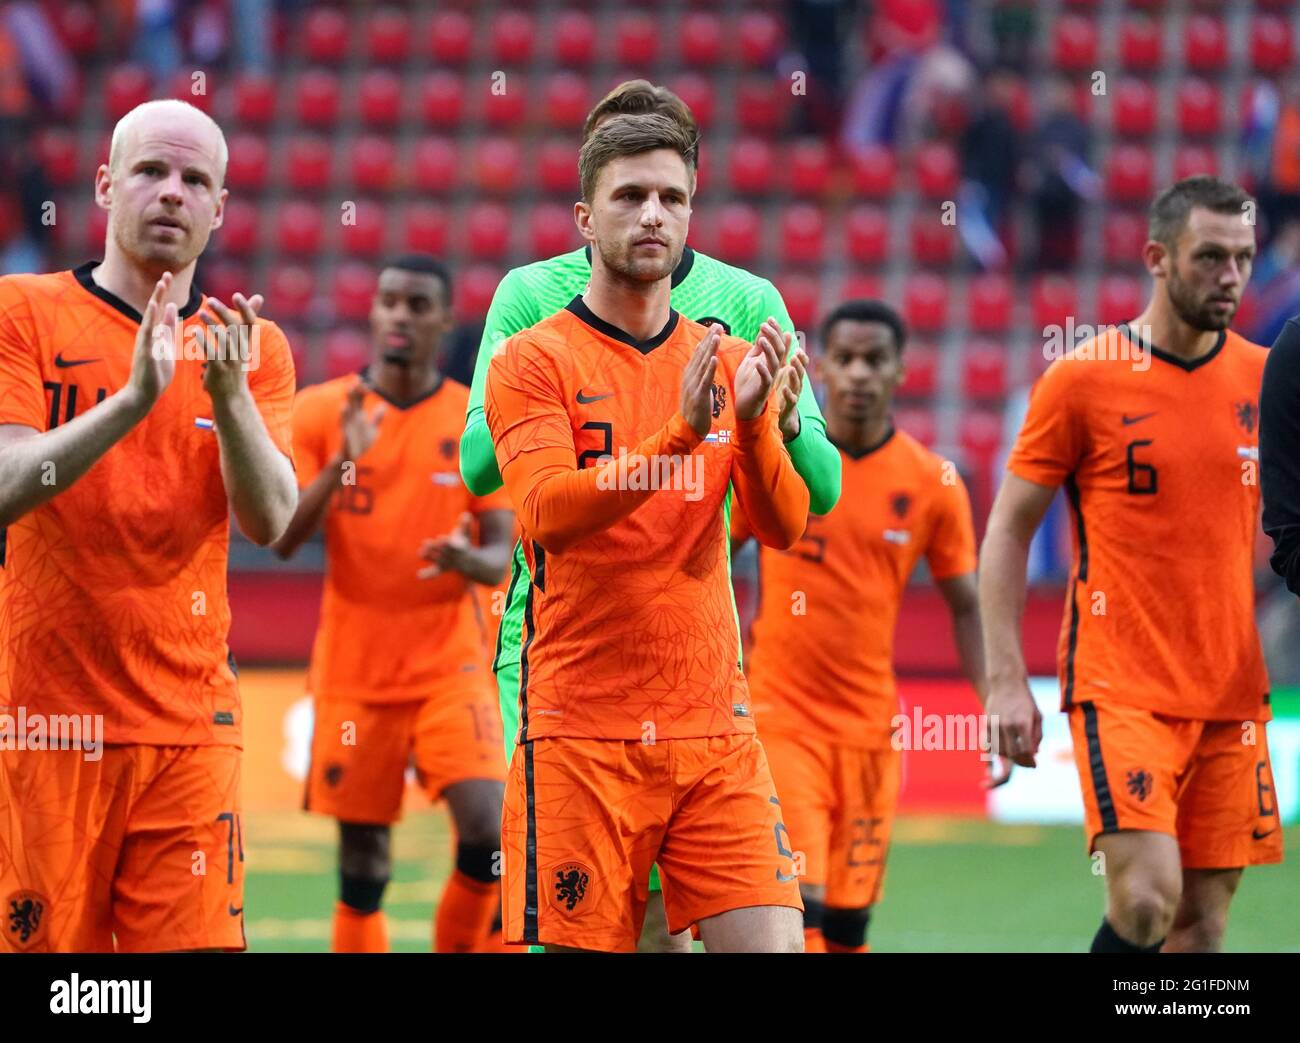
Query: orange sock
(813, 940)
(359, 932)
(832, 947)
(465, 913)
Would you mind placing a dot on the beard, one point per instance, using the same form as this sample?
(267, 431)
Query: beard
(619, 259)
(151, 254)
(1198, 314)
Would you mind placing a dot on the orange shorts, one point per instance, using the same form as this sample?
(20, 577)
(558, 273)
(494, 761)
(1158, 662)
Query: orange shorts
(585, 819)
(144, 846)
(1207, 783)
(838, 803)
(360, 751)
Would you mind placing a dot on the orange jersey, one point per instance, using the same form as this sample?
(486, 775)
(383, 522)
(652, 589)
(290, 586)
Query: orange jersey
(114, 593)
(1160, 468)
(629, 629)
(386, 635)
(821, 663)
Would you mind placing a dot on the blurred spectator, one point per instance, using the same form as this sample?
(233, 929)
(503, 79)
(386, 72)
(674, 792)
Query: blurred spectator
(46, 64)
(157, 38)
(990, 163)
(251, 26)
(1060, 177)
(1283, 188)
(1012, 24)
(24, 192)
(909, 97)
(818, 32)
(903, 27)
(1275, 284)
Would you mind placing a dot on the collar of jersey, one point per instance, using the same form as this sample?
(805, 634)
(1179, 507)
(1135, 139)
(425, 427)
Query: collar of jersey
(682, 270)
(1174, 360)
(578, 308)
(82, 276)
(364, 374)
(889, 434)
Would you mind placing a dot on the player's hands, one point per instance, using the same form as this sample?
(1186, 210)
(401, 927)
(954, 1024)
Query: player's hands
(153, 364)
(359, 430)
(1012, 711)
(450, 553)
(758, 370)
(791, 381)
(225, 373)
(999, 773)
(697, 382)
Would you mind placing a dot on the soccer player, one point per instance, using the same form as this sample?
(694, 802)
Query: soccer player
(703, 289)
(618, 426)
(399, 670)
(135, 416)
(1279, 453)
(1152, 430)
(821, 660)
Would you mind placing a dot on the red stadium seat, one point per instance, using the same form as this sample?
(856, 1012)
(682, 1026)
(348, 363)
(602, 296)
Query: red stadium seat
(802, 296)
(1134, 108)
(1074, 44)
(195, 87)
(506, 108)
(354, 288)
(761, 37)
(739, 233)
(317, 98)
(1123, 235)
(567, 101)
(436, 165)
(1198, 108)
(1270, 44)
(1054, 298)
(575, 39)
(921, 371)
(298, 229)
(984, 371)
(866, 235)
(58, 151)
(248, 162)
(255, 99)
(874, 171)
(474, 290)
(325, 35)
(803, 234)
(498, 165)
(79, 28)
(424, 228)
(808, 167)
(1140, 40)
(237, 235)
(700, 38)
(1190, 160)
(551, 230)
(918, 422)
(989, 301)
(937, 170)
(980, 435)
(442, 100)
(512, 36)
(487, 230)
(925, 303)
(388, 36)
(124, 88)
(698, 94)
(557, 166)
(347, 351)
(374, 163)
(1205, 43)
(223, 279)
(931, 241)
(289, 291)
(862, 287)
(308, 162)
(752, 166)
(451, 38)
(364, 236)
(636, 40)
(761, 104)
(379, 98)
(1119, 299)
(1129, 174)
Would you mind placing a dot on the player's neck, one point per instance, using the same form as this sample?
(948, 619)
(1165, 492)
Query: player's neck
(638, 309)
(402, 384)
(857, 436)
(123, 278)
(1159, 326)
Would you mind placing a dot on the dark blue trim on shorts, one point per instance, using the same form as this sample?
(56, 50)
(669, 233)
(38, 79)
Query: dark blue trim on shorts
(1097, 768)
(530, 853)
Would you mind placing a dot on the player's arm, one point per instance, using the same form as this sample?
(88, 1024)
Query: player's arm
(513, 309)
(557, 503)
(1279, 453)
(485, 562)
(35, 465)
(771, 495)
(804, 429)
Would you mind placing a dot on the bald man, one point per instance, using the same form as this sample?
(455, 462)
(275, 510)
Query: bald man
(136, 415)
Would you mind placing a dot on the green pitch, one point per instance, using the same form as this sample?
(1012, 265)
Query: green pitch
(954, 885)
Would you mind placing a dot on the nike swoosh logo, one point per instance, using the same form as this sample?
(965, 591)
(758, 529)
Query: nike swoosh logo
(1134, 419)
(232, 910)
(63, 363)
(1260, 836)
(587, 399)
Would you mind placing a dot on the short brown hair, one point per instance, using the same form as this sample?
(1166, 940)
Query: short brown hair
(641, 98)
(1169, 213)
(631, 136)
